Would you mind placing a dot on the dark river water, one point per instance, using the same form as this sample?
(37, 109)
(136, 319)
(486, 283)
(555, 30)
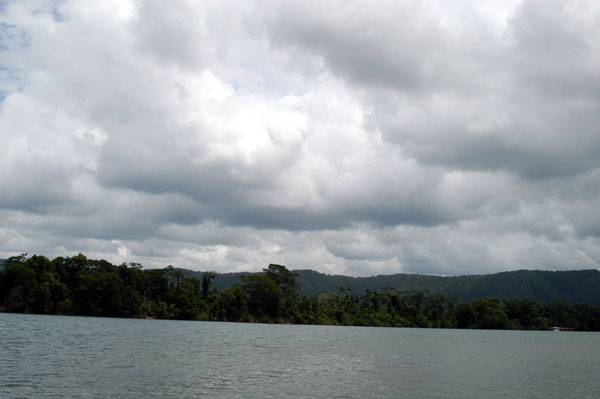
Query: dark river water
(84, 357)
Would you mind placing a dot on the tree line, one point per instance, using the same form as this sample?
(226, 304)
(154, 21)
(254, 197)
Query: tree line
(81, 286)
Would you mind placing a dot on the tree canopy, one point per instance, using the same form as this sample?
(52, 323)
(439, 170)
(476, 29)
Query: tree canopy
(81, 286)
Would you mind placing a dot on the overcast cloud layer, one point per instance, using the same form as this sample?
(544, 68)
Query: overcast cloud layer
(349, 137)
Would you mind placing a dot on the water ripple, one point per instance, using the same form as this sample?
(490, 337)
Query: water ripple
(79, 357)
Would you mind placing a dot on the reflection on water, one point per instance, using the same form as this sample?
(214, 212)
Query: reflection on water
(80, 357)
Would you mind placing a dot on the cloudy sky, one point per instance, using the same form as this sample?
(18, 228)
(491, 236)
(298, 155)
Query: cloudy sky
(349, 137)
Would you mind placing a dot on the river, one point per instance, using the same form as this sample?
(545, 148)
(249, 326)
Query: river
(84, 357)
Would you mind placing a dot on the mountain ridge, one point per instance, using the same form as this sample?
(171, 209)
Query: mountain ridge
(572, 286)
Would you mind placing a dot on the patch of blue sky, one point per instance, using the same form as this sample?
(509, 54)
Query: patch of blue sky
(11, 80)
(52, 9)
(273, 80)
(11, 36)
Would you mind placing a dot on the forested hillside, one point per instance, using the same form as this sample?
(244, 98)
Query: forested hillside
(580, 286)
(82, 286)
(574, 286)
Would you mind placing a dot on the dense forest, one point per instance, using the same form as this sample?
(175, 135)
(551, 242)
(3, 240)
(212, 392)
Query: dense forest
(573, 286)
(81, 286)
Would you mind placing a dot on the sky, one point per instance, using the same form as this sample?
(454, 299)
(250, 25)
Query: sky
(349, 137)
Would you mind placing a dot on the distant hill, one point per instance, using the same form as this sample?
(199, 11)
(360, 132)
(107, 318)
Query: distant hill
(580, 286)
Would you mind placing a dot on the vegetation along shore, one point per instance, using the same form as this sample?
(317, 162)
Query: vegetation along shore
(81, 286)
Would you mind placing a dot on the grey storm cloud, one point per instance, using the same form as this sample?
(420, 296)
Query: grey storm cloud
(348, 137)
(524, 101)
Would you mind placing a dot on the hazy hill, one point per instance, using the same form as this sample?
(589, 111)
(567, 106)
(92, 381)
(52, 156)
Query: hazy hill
(580, 286)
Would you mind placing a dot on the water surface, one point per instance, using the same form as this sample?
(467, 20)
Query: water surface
(84, 357)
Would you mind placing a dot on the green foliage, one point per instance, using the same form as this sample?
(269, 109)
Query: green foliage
(207, 278)
(83, 286)
(571, 286)
(575, 286)
(265, 298)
